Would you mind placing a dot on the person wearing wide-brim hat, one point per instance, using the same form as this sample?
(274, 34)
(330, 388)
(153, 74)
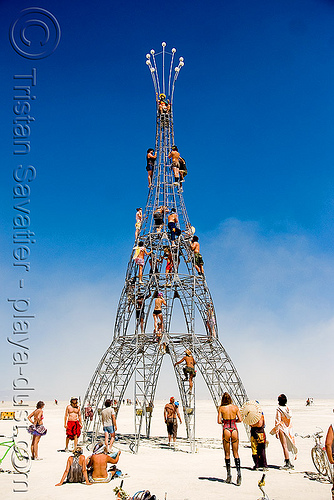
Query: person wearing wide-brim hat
(252, 415)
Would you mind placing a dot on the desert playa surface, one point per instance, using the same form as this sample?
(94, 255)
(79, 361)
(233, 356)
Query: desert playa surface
(179, 473)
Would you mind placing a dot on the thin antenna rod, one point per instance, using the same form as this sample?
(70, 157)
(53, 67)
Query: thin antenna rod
(163, 67)
(170, 70)
(156, 70)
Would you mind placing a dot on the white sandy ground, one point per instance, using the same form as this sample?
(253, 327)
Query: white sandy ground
(179, 473)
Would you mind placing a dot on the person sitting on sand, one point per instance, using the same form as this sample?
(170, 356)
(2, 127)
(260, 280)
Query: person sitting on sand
(75, 471)
(98, 462)
(229, 416)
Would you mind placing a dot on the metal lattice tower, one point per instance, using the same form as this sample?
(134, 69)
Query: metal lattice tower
(133, 352)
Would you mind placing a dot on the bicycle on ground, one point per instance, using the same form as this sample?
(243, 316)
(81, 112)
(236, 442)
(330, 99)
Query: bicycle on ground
(319, 455)
(19, 457)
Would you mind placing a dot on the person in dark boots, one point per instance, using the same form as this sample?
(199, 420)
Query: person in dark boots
(229, 416)
(258, 443)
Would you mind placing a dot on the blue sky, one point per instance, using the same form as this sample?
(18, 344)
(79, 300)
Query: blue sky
(253, 116)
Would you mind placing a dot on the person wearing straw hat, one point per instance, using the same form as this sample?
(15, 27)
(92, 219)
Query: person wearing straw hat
(229, 415)
(252, 415)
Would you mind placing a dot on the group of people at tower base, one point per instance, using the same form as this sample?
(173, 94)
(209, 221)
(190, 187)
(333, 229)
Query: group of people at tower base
(94, 469)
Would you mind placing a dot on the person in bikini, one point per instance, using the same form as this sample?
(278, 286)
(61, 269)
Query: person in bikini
(157, 313)
(229, 416)
(72, 422)
(139, 219)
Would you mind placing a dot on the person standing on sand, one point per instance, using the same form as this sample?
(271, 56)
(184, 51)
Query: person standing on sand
(171, 413)
(284, 431)
(258, 443)
(109, 424)
(329, 443)
(36, 429)
(229, 416)
(189, 369)
(72, 422)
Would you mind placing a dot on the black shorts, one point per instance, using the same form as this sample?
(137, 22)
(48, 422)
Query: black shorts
(157, 311)
(149, 167)
(139, 313)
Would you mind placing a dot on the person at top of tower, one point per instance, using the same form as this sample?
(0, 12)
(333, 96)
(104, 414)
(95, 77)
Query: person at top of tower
(189, 369)
(163, 103)
(198, 257)
(150, 160)
(175, 155)
(158, 216)
(229, 415)
(139, 258)
(157, 313)
(172, 221)
(139, 219)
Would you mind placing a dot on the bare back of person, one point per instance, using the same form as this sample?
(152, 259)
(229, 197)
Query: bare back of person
(195, 247)
(99, 463)
(174, 155)
(229, 415)
(170, 410)
(173, 218)
(158, 302)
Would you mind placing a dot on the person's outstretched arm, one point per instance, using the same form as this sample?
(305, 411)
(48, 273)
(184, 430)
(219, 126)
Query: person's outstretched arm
(68, 465)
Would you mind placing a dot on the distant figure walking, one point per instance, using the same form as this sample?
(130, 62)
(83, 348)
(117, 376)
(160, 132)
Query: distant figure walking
(75, 471)
(157, 313)
(36, 429)
(171, 414)
(139, 219)
(197, 256)
(72, 422)
(150, 159)
(109, 424)
(284, 431)
(189, 369)
(139, 258)
(229, 416)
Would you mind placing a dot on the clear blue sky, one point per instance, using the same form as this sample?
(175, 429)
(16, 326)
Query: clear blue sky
(253, 115)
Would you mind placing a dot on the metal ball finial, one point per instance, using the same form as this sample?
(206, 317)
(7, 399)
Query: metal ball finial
(164, 44)
(152, 52)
